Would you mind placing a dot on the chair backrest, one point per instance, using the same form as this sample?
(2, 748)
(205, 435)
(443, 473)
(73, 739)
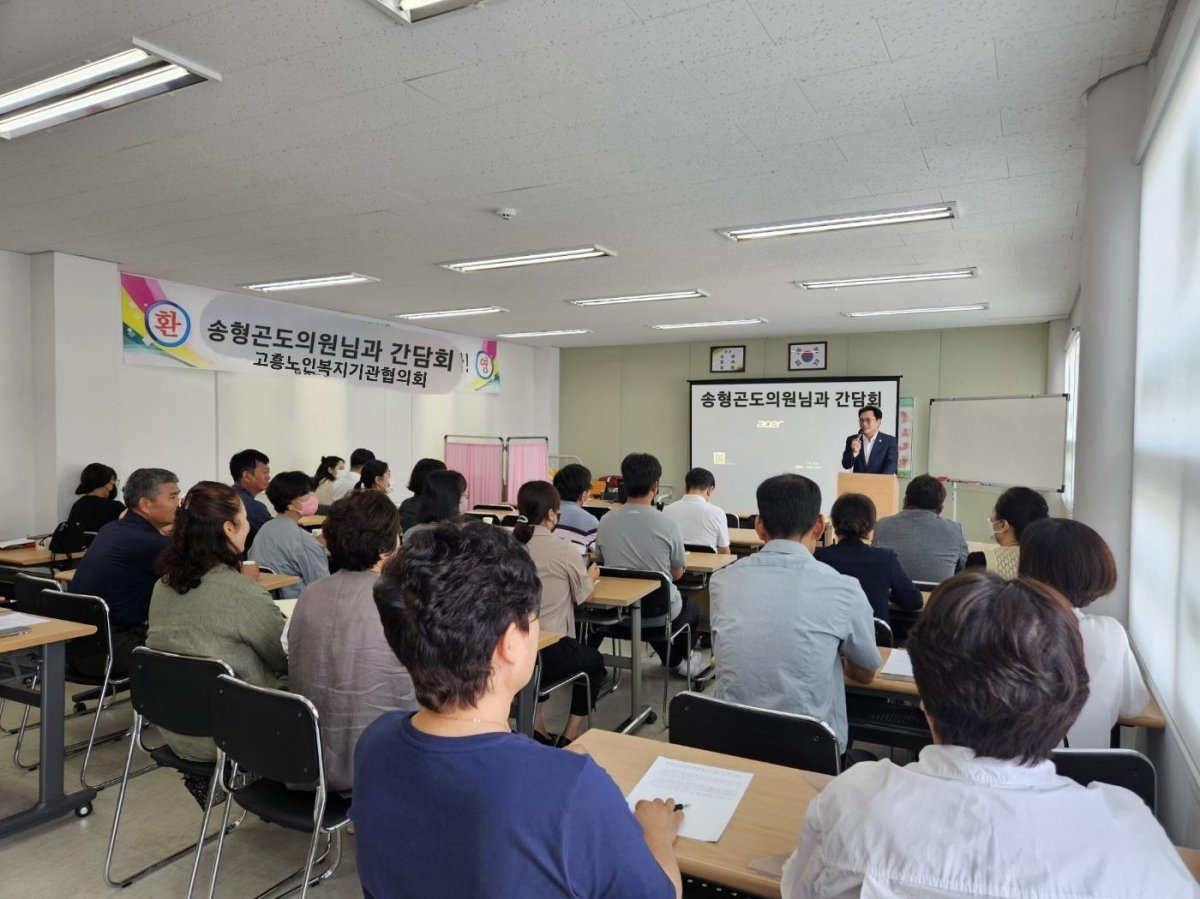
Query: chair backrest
(698, 548)
(731, 520)
(926, 586)
(481, 516)
(1119, 767)
(510, 521)
(27, 592)
(781, 738)
(598, 512)
(83, 609)
(267, 732)
(174, 691)
(883, 633)
(493, 508)
(657, 605)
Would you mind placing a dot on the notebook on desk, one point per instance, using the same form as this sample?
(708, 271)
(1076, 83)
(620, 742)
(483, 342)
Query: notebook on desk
(898, 666)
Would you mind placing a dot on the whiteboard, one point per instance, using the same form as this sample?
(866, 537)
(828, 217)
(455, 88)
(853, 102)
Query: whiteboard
(1005, 440)
(747, 431)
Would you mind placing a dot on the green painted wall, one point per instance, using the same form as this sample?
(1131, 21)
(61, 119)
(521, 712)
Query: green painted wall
(615, 400)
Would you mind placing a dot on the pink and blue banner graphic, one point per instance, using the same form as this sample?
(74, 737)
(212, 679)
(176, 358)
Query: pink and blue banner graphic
(169, 324)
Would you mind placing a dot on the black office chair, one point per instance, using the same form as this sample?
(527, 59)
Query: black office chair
(479, 516)
(656, 622)
(597, 512)
(173, 692)
(731, 520)
(510, 521)
(883, 633)
(275, 735)
(694, 582)
(781, 738)
(1120, 767)
(496, 509)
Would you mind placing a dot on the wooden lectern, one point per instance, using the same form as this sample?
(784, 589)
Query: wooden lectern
(884, 490)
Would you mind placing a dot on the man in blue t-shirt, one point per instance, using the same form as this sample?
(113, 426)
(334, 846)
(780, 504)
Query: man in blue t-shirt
(447, 800)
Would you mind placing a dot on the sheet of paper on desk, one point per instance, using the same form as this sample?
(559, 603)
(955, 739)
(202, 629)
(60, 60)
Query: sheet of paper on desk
(898, 666)
(710, 794)
(20, 619)
(19, 541)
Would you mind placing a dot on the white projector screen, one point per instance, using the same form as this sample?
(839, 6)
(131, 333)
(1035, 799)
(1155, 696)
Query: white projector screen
(1004, 440)
(1164, 590)
(747, 431)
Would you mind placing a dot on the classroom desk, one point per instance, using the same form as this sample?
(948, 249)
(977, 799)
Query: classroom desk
(606, 504)
(744, 538)
(527, 697)
(309, 522)
(270, 582)
(767, 821)
(628, 593)
(52, 802)
(707, 563)
(31, 556)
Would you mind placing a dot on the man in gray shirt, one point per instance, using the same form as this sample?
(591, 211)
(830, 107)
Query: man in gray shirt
(931, 548)
(639, 536)
(784, 624)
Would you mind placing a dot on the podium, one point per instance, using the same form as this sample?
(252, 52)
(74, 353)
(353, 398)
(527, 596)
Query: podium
(884, 490)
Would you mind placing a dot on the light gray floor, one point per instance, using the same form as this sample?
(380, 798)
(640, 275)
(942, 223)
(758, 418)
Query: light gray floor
(65, 858)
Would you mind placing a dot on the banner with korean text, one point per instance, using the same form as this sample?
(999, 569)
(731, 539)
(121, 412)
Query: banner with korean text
(169, 324)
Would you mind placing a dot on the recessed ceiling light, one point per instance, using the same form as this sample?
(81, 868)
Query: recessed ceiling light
(974, 307)
(482, 265)
(950, 275)
(410, 11)
(641, 298)
(451, 313)
(314, 281)
(564, 332)
(93, 88)
(842, 222)
(736, 321)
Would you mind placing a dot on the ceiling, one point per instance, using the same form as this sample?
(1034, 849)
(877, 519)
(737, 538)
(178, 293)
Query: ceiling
(339, 140)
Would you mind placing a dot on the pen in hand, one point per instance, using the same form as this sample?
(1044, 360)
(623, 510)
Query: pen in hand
(680, 806)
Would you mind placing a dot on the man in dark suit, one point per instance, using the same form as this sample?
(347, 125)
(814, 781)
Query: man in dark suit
(869, 451)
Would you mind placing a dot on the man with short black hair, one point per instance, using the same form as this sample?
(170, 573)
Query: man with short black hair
(870, 451)
(702, 522)
(347, 480)
(930, 548)
(639, 536)
(784, 626)
(120, 566)
(251, 472)
(575, 523)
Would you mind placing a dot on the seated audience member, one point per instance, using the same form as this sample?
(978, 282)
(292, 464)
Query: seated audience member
(120, 566)
(1073, 559)
(702, 523)
(459, 606)
(204, 606)
(639, 536)
(574, 485)
(443, 499)
(338, 656)
(566, 582)
(1015, 508)
(877, 570)
(1000, 669)
(281, 544)
(930, 548)
(251, 473)
(347, 479)
(375, 475)
(327, 474)
(97, 504)
(783, 624)
(416, 483)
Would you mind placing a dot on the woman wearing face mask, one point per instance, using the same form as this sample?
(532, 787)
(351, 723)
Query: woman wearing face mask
(376, 475)
(327, 474)
(1015, 508)
(281, 544)
(97, 504)
(204, 606)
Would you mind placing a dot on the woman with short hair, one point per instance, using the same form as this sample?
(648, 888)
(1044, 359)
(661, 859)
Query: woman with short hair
(416, 484)
(281, 544)
(444, 497)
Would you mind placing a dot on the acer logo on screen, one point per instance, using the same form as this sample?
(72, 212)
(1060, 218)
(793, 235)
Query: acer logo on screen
(770, 425)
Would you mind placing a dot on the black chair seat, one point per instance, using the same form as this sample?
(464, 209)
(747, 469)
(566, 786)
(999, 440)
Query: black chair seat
(623, 630)
(167, 758)
(290, 808)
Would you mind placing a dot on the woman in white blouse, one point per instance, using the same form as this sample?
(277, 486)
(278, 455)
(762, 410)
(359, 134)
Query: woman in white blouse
(1074, 560)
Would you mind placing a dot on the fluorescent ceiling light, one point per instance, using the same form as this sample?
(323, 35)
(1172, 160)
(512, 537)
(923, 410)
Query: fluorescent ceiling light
(482, 265)
(564, 332)
(736, 321)
(842, 222)
(315, 281)
(951, 275)
(410, 11)
(451, 313)
(642, 298)
(98, 86)
(974, 307)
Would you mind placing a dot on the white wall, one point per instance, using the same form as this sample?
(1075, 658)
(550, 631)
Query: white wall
(16, 397)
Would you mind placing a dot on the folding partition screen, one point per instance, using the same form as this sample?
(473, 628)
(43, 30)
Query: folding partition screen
(481, 461)
(528, 460)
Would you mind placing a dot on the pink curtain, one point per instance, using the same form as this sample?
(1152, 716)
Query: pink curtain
(482, 465)
(527, 462)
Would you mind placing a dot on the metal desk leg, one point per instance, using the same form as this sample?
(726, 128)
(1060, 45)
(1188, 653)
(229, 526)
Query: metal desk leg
(527, 700)
(638, 713)
(52, 802)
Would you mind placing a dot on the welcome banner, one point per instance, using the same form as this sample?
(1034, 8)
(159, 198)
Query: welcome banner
(169, 324)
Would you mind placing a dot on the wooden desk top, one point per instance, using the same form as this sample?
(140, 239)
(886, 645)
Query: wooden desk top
(270, 582)
(30, 556)
(1150, 717)
(767, 820)
(312, 521)
(52, 631)
(603, 504)
(547, 638)
(744, 537)
(621, 591)
(707, 563)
